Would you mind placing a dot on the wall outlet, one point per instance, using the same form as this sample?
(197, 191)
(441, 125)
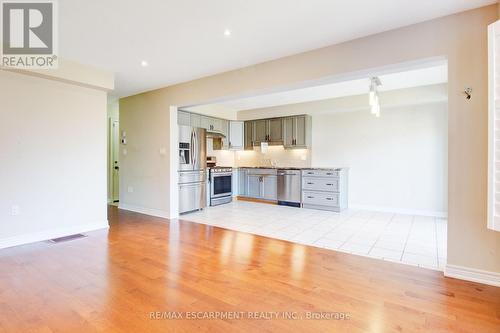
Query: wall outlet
(15, 210)
(130, 189)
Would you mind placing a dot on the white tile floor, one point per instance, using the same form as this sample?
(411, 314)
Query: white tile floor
(414, 240)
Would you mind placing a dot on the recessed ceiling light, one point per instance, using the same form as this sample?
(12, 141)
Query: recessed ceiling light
(227, 32)
(144, 63)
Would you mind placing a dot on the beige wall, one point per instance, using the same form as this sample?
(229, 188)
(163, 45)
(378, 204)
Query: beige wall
(52, 158)
(461, 38)
(397, 162)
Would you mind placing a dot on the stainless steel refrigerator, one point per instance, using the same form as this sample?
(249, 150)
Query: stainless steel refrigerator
(192, 168)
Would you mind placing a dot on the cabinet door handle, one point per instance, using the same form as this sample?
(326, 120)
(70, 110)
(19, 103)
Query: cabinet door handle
(310, 183)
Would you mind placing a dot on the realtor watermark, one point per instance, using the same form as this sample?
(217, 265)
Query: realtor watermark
(29, 34)
(248, 315)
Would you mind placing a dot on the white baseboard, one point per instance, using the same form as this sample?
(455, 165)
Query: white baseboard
(145, 210)
(50, 234)
(400, 210)
(472, 274)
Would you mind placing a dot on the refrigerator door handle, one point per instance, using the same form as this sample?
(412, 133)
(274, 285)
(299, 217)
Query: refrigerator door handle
(195, 148)
(191, 150)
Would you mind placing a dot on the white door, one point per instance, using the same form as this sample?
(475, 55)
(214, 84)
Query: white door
(236, 138)
(115, 149)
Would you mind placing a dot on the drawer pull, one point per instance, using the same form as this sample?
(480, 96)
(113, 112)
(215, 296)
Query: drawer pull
(309, 197)
(329, 184)
(329, 198)
(308, 183)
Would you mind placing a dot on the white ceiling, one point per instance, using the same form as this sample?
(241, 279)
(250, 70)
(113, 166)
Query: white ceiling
(184, 40)
(394, 81)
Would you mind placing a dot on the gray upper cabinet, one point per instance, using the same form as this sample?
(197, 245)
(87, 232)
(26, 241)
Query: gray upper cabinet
(195, 120)
(248, 135)
(300, 131)
(260, 132)
(275, 131)
(183, 118)
(205, 122)
(288, 124)
(220, 125)
(264, 130)
(297, 132)
(214, 124)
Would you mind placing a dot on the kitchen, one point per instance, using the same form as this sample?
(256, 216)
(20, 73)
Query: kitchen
(319, 188)
(289, 167)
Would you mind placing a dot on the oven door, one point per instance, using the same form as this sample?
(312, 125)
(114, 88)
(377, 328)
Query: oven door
(221, 185)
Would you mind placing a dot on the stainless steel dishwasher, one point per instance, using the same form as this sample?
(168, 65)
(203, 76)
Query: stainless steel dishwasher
(289, 187)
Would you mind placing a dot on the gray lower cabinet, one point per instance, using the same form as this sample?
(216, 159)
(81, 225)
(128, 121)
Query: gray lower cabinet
(258, 183)
(254, 186)
(325, 189)
(270, 187)
(242, 182)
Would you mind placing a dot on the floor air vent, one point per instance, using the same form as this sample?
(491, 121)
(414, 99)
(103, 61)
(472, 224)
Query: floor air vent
(67, 238)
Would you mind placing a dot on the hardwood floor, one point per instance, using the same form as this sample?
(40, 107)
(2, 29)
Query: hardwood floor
(112, 280)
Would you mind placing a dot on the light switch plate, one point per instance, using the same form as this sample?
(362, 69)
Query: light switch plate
(15, 210)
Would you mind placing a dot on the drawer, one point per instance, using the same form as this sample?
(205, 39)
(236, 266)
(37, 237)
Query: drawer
(320, 198)
(320, 184)
(262, 172)
(191, 176)
(320, 173)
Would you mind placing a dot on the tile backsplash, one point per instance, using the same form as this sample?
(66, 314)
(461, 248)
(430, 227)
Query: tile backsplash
(275, 156)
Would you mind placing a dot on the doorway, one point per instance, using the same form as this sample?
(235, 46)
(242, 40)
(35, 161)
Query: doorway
(113, 153)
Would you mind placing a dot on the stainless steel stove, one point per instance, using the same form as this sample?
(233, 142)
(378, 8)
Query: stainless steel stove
(221, 185)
